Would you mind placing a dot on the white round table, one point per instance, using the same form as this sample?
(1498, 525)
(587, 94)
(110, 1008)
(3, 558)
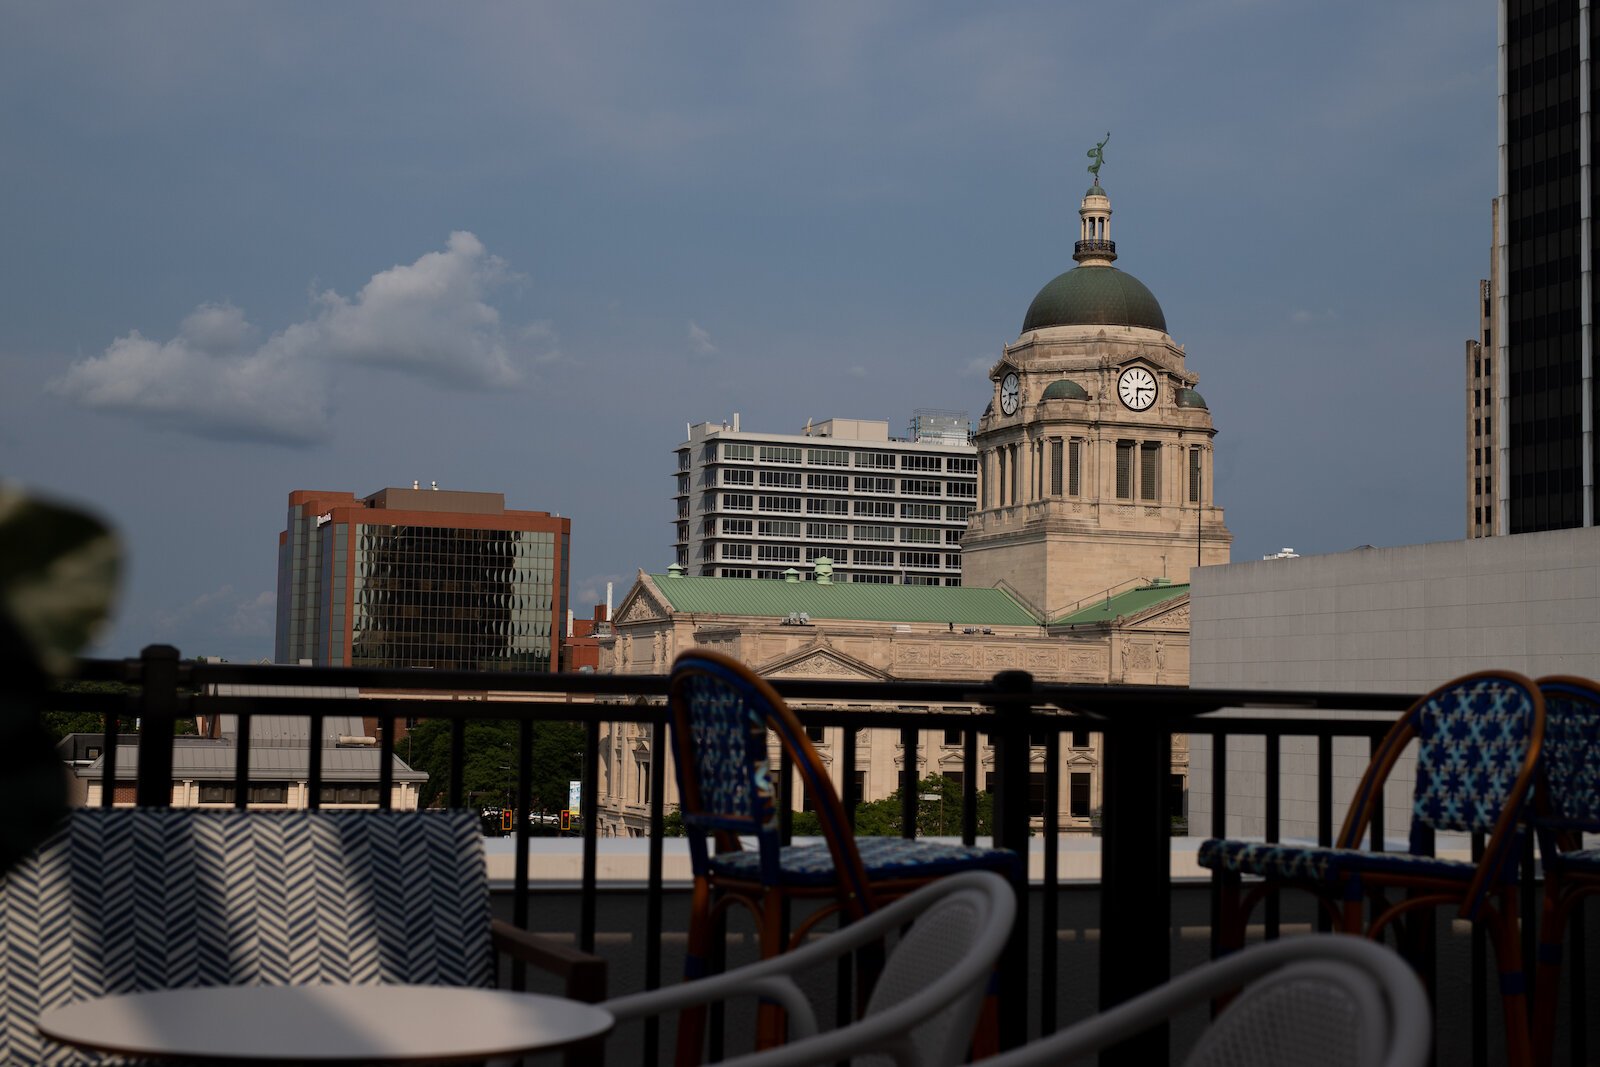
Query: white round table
(325, 1023)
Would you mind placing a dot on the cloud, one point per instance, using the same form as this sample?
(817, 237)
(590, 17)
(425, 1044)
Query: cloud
(428, 319)
(857, 371)
(700, 340)
(207, 381)
(1302, 316)
(977, 366)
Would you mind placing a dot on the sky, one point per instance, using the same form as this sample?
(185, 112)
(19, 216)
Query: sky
(517, 247)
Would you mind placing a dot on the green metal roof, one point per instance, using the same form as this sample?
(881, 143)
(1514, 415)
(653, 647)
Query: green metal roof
(1188, 398)
(1130, 603)
(1064, 389)
(766, 597)
(1095, 190)
(1095, 296)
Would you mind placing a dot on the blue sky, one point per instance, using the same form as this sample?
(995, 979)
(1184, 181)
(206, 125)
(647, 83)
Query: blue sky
(252, 248)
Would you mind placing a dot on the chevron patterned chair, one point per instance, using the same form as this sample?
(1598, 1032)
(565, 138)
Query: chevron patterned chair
(1478, 751)
(722, 713)
(123, 900)
(1568, 807)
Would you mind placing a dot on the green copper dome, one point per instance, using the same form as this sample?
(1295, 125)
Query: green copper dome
(1095, 296)
(1095, 190)
(1064, 389)
(1188, 398)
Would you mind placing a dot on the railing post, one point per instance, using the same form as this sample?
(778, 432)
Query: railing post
(158, 711)
(1012, 703)
(1135, 876)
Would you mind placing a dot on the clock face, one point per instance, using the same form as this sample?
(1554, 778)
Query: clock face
(1137, 388)
(1008, 394)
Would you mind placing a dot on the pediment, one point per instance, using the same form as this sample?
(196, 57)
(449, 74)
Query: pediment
(1171, 616)
(820, 660)
(642, 604)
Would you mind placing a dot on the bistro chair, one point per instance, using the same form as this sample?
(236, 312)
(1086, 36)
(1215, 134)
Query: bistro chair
(722, 716)
(926, 1000)
(1568, 807)
(1478, 744)
(1323, 1000)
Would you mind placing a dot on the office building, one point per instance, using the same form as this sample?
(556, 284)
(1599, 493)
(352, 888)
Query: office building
(885, 510)
(420, 578)
(1482, 438)
(1543, 356)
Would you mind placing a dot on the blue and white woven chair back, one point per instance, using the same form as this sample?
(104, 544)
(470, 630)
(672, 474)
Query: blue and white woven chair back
(1571, 741)
(719, 726)
(1473, 756)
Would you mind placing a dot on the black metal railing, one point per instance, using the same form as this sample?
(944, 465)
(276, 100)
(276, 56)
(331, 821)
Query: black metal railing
(1136, 722)
(1095, 246)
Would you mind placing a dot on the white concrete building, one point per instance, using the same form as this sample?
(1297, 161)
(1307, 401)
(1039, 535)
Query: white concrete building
(1402, 620)
(885, 510)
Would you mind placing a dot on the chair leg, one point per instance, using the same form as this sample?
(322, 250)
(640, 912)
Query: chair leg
(1501, 915)
(771, 1023)
(692, 1021)
(1547, 989)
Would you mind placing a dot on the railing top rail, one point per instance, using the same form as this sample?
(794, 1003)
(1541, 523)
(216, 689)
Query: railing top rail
(1100, 702)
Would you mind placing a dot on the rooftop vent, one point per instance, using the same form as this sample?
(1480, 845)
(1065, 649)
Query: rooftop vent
(675, 571)
(791, 575)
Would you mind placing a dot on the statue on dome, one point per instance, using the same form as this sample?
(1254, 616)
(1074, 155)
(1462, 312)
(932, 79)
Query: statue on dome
(1098, 154)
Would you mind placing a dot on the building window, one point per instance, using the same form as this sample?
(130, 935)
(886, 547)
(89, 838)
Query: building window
(874, 533)
(828, 482)
(875, 460)
(867, 484)
(919, 559)
(873, 579)
(966, 489)
(920, 486)
(739, 477)
(874, 557)
(827, 457)
(827, 531)
(920, 463)
(736, 526)
(1057, 451)
(1078, 787)
(957, 512)
(780, 503)
(1194, 476)
(778, 528)
(1125, 470)
(919, 535)
(778, 553)
(779, 454)
(920, 511)
(963, 465)
(952, 738)
(735, 551)
(738, 501)
(1149, 464)
(815, 734)
(1080, 739)
(1074, 467)
(781, 479)
(827, 506)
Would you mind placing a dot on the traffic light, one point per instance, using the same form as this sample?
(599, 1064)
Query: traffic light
(566, 819)
(507, 818)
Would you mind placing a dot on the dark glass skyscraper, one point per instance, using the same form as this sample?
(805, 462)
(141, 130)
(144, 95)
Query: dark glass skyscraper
(420, 578)
(1545, 358)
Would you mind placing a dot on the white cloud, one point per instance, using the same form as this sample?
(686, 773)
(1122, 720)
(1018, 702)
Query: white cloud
(205, 381)
(700, 340)
(429, 319)
(857, 371)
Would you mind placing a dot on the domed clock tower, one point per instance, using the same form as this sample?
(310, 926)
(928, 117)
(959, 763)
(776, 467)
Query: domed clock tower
(1095, 452)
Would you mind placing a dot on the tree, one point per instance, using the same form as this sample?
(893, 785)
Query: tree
(62, 723)
(938, 817)
(489, 767)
